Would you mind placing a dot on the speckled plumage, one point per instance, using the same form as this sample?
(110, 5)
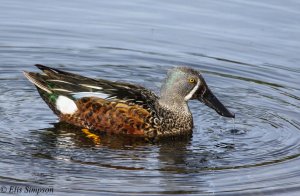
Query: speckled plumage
(121, 108)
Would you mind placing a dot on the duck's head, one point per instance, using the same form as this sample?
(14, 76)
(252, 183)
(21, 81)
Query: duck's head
(183, 84)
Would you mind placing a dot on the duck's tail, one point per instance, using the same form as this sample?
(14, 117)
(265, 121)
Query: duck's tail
(44, 90)
(55, 90)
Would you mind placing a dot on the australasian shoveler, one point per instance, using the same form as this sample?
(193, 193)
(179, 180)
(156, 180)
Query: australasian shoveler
(123, 108)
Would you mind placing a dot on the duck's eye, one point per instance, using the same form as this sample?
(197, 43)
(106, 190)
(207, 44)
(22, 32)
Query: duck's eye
(192, 80)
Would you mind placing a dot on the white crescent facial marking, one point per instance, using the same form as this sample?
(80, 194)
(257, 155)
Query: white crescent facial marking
(66, 105)
(189, 96)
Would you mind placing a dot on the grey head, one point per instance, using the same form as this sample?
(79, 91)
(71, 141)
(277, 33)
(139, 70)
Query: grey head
(183, 84)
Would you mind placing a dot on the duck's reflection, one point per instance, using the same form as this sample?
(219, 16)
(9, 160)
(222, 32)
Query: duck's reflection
(175, 163)
(173, 156)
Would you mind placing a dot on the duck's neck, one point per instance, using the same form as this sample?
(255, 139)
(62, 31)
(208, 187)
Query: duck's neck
(175, 116)
(173, 104)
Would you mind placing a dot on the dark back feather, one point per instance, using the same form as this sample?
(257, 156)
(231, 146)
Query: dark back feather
(68, 84)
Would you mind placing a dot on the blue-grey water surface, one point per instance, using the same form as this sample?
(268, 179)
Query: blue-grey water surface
(248, 52)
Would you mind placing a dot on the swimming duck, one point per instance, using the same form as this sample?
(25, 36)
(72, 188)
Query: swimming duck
(123, 108)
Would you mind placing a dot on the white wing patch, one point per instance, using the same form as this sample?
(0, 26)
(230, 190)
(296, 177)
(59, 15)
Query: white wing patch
(66, 105)
(90, 94)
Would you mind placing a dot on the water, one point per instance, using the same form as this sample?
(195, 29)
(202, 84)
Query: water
(248, 52)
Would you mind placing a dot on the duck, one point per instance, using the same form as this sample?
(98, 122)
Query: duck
(123, 108)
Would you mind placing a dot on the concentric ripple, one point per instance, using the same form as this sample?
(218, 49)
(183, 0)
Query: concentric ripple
(258, 152)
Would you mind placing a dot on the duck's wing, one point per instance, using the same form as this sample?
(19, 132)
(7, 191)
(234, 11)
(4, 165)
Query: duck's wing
(54, 82)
